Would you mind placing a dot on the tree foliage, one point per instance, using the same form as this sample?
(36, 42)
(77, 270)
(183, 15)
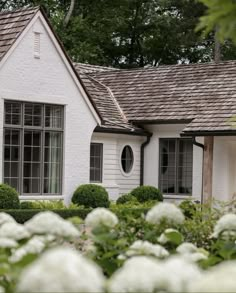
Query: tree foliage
(130, 33)
(221, 14)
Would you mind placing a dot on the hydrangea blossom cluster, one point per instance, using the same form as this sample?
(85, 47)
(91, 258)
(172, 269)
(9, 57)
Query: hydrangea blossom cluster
(52, 224)
(13, 231)
(225, 227)
(7, 243)
(34, 246)
(167, 212)
(143, 274)
(192, 252)
(101, 217)
(62, 270)
(6, 218)
(146, 248)
(220, 278)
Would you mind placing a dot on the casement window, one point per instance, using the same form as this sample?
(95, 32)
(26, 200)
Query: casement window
(33, 147)
(175, 165)
(127, 159)
(96, 160)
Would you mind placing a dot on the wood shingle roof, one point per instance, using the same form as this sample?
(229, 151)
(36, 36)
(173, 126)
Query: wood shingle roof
(12, 24)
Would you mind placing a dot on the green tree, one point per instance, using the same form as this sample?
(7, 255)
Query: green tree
(221, 14)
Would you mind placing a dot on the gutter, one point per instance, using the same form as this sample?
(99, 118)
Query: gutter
(143, 145)
(198, 144)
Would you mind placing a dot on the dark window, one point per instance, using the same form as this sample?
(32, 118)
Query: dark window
(96, 154)
(33, 135)
(176, 160)
(127, 159)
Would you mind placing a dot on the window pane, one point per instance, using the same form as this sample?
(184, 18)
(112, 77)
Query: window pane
(53, 116)
(12, 113)
(96, 151)
(33, 115)
(52, 159)
(176, 166)
(11, 157)
(127, 159)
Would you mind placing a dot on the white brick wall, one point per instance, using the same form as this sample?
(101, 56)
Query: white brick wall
(47, 80)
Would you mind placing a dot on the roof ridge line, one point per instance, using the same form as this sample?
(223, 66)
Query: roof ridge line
(113, 98)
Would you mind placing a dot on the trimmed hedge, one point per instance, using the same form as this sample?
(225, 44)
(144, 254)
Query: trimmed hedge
(126, 198)
(22, 216)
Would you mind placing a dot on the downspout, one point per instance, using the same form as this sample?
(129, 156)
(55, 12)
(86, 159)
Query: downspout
(198, 144)
(143, 145)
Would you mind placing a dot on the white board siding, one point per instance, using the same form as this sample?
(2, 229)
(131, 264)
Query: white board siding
(114, 180)
(48, 80)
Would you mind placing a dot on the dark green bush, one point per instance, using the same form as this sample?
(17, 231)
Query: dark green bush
(91, 196)
(188, 208)
(27, 205)
(146, 193)
(22, 216)
(9, 198)
(126, 198)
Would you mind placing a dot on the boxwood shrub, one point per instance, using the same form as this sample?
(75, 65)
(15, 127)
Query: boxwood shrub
(91, 196)
(21, 215)
(9, 198)
(146, 193)
(126, 198)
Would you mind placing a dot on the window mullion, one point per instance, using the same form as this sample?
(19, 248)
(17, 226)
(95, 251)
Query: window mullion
(42, 152)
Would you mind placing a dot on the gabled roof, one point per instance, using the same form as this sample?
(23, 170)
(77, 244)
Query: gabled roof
(203, 95)
(12, 24)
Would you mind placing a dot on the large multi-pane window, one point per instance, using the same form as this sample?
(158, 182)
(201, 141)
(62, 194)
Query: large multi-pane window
(175, 167)
(96, 154)
(33, 141)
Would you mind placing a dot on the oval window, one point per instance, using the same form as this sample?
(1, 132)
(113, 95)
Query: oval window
(127, 159)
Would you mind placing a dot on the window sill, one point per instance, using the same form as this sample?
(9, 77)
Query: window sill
(177, 196)
(41, 197)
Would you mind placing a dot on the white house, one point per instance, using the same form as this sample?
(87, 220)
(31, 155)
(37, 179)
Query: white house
(66, 124)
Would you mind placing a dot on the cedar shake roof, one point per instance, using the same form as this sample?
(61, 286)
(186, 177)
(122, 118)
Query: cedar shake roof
(12, 24)
(204, 95)
(109, 109)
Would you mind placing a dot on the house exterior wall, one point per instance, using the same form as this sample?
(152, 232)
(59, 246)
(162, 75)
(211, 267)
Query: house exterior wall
(224, 168)
(151, 162)
(47, 80)
(114, 179)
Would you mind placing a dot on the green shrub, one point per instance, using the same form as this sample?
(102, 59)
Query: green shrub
(146, 193)
(9, 198)
(25, 205)
(91, 196)
(188, 208)
(126, 198)
(22, 216)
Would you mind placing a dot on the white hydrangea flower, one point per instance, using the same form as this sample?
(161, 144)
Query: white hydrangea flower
(140, 247)
(180, 273)
(220, 278)
(6, 218)
(51, 223)
(2, 290)
(34, 246)
(138, 274)
(14, 231)
(192, 252)
(7, 243)
(143, 274)
(225, 224)
(165, 212)
(62, 270)
(163, 238)
(101, 216)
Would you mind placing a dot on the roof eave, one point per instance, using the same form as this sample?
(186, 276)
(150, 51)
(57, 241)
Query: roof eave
(122, 131)
(209, 133)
